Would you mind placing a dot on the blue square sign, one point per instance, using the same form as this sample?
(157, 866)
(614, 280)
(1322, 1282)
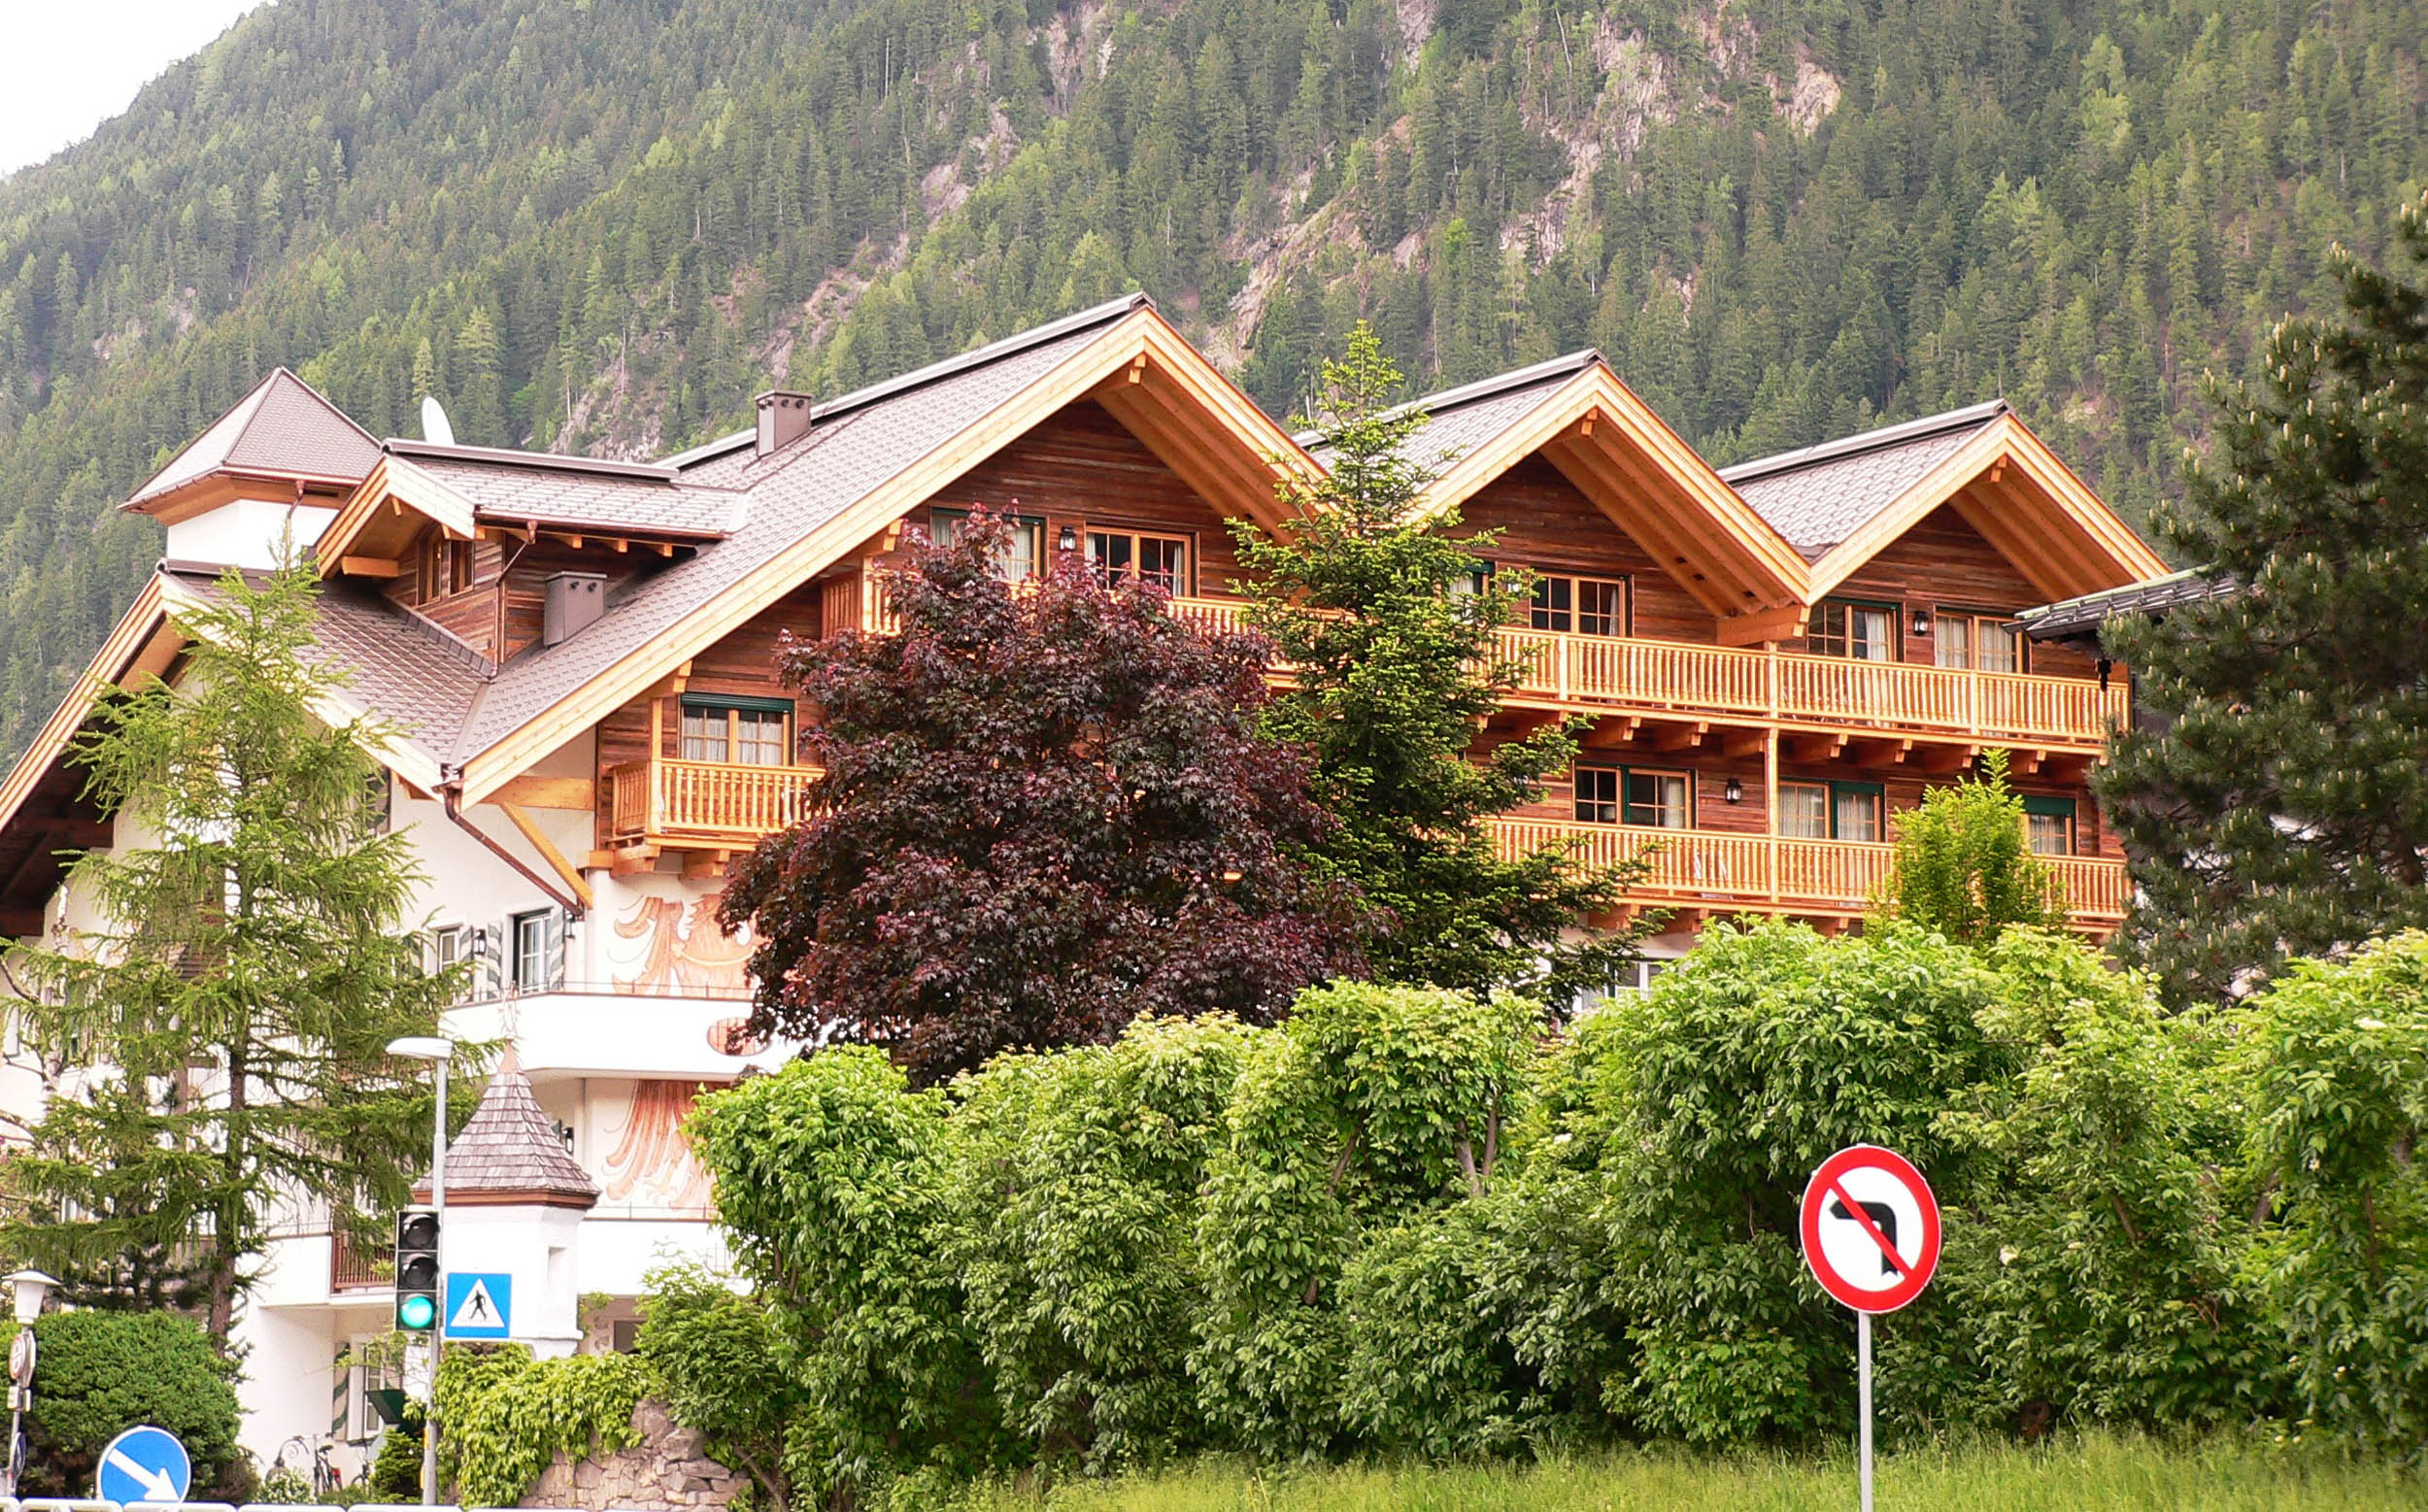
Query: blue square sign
(479, 1304)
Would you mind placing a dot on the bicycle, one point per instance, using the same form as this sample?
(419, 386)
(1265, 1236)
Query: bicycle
(323, 1475)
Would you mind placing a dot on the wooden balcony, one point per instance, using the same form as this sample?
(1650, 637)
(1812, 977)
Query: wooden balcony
(1626, 674)
(701, 804)
(1707, 869)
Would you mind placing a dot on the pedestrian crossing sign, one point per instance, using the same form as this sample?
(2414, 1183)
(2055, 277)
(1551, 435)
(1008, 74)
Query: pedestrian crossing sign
(479, 1304)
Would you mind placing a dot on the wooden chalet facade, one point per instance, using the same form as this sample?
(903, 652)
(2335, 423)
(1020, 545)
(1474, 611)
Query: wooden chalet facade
(1776, 657)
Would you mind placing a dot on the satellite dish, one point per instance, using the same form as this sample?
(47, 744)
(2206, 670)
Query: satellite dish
(434, 426)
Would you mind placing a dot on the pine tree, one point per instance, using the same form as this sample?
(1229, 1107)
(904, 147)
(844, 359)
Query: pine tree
(1391, 639)
(2282, 809)
(229, 1018)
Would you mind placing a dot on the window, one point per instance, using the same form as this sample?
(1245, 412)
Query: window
(1618, 795)
(738, 732)
(1805, 811)
(1987, 643)
(534, 941)
(1855, 812)
(2048, 823)
(1587, 606)
(446, 566)
(1832, 811)
(1864, 632)
(1120, 557)
(451, 946)
(1023, 556)
(1598, 795)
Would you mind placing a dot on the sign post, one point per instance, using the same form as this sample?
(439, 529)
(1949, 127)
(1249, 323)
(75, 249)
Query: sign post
(1870, 1231)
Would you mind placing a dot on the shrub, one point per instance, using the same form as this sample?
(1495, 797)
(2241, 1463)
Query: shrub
(1965, 867)
(2331, 1062)
(104, 1373)
(715, 1352)
(505, 1416)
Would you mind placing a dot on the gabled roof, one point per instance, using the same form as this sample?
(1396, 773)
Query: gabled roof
(283, 428)
(1578, 416)
(1819, 495)
(764, 524)
(510, 1151)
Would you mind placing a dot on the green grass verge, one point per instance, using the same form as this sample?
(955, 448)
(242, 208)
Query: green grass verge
(2097, 1474)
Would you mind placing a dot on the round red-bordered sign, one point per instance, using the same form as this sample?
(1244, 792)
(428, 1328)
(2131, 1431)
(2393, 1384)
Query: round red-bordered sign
(1871, 1229)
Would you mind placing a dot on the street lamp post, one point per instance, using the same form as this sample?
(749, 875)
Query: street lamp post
(28, 1289)
(436, 1051)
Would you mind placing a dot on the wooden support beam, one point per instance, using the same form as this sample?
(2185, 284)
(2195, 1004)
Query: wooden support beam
(370, 566)
(1830, 925)
(549, 792)
(1785, 623)
(633, 859)
(18, 924)
(1815, 748)
(1744, 743)
(2024, 762)
(1617, 729)
(1678, 737)
(575, 882)
(1946, 760)
(706, 866)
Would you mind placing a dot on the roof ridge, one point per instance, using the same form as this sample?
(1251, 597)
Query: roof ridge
(1435, 405)
(545, 461)
(1874, 440)
(935, 372)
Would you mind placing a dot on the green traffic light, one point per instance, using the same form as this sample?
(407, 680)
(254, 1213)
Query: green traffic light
(417, 1312)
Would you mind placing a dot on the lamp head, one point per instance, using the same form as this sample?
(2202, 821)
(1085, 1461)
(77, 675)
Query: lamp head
(423, 1046)
(30, 1289)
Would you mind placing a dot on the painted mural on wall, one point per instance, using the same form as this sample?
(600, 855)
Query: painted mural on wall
(672, 946)
(649, 1164)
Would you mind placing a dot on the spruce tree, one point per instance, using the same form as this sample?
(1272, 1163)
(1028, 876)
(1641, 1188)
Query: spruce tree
(224, 1027)
(2280, 807)
(1388, 622)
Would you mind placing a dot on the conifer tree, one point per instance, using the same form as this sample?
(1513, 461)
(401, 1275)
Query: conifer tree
(1388, 622)
(2282, 808)
(226, 1024)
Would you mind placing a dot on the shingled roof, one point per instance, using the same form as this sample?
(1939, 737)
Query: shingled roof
(510, 1151)
(1460, 420)
(282, 426)
(1818, 495)
(2078, 617)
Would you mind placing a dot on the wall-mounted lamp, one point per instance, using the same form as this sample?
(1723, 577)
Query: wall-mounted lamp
(1069, 540)
(1922, 622)
(1732, 790)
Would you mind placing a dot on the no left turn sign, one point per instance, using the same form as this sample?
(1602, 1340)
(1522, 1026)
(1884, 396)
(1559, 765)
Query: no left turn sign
(1871, 1229)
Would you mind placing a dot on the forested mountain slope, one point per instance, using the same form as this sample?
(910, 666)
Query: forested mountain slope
(599, 224)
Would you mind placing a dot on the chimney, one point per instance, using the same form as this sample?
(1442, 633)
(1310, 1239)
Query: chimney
(574, 600)
(782, 419)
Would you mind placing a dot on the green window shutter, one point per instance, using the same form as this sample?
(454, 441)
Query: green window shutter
(2048, 806)
(705, 703)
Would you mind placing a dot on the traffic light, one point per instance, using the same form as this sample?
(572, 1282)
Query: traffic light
(417, 1269)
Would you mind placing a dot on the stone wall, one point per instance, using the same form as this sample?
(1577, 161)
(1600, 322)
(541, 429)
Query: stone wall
(664, 1473)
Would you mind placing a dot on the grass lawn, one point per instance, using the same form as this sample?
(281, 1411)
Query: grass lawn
(2092, 1474)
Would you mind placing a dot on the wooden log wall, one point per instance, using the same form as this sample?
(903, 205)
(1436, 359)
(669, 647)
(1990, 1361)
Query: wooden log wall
(1546, 522)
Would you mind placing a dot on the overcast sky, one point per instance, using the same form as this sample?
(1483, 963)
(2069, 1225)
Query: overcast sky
(68, 65)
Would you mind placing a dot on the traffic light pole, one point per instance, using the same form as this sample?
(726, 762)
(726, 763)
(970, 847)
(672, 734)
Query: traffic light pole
(438, 1324)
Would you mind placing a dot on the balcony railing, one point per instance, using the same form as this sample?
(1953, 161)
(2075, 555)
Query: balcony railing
(702, 802)
(1675, 676)
(1701, 868)
(353, 1270)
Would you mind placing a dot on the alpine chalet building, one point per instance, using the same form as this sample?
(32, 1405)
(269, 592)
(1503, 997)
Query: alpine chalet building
(578, 658)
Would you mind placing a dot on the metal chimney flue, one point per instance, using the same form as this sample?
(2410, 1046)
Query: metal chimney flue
(782, 419)
(575, 600)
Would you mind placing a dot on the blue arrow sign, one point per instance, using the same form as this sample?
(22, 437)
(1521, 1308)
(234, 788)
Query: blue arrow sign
(479, 1304)
(144, 1465)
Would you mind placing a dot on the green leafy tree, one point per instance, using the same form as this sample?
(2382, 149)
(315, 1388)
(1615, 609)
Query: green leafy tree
(1964, 864)
(229, 1015)
(1395, 662)
(2331, 1068)
(104, 1372)
(2281, 807)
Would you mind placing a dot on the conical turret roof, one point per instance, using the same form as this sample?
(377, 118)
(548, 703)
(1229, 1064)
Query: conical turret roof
(510, 1152)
